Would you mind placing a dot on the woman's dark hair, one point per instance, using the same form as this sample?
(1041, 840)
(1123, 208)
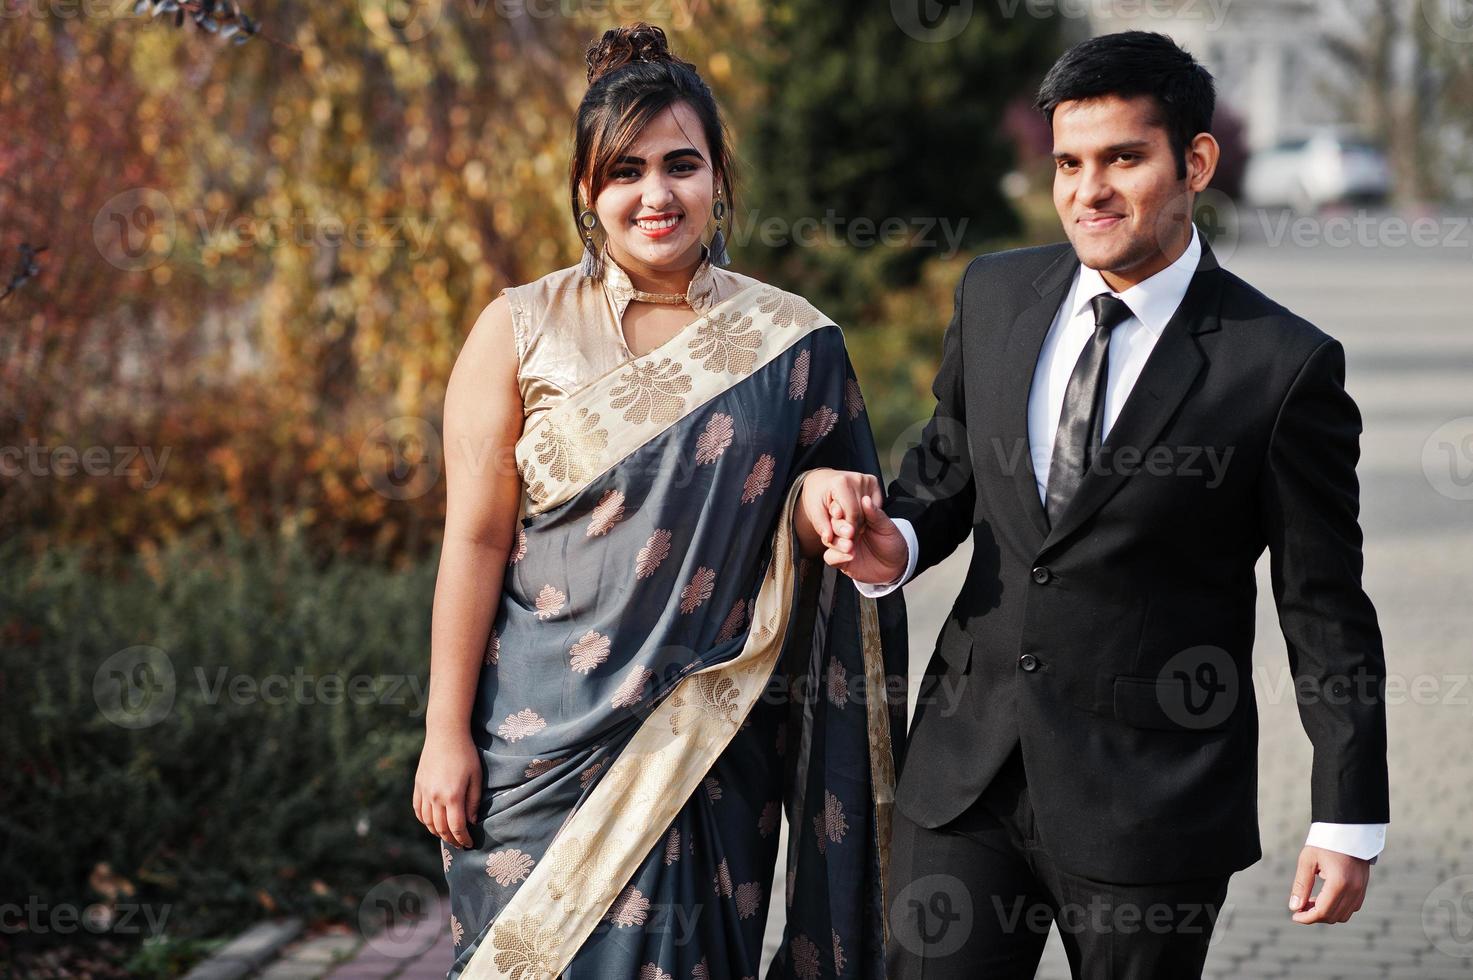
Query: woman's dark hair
(633, 77)
(1133, 63)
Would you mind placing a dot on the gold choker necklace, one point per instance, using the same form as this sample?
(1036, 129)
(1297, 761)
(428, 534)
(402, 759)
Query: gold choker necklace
(669, 299)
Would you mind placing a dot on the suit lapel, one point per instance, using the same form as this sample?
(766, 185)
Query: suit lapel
(1020, 354)
(1168, 374)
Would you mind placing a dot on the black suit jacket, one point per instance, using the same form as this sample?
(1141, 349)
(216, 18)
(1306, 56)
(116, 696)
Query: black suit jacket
(1116, 645)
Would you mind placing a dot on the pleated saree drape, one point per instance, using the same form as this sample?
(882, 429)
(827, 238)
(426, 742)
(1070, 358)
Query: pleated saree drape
(666, 677)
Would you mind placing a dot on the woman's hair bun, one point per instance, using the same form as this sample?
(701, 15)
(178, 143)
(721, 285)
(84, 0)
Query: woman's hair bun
(621, 46)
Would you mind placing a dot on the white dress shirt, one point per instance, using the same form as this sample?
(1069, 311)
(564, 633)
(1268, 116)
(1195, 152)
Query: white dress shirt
(1152, 304)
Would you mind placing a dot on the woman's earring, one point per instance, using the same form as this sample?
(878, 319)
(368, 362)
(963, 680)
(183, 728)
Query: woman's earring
(718, 241)
(592, 261)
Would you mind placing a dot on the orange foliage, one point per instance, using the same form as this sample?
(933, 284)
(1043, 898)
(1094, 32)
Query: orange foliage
(262, 259)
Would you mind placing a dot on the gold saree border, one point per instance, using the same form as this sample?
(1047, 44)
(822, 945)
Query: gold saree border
(882, 760)
(591, 431)
(608, 836)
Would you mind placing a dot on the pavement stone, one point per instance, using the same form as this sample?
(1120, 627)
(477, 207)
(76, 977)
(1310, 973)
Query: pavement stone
(247, 952)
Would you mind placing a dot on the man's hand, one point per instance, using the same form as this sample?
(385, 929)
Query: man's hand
(843, 511)
(1344, 890)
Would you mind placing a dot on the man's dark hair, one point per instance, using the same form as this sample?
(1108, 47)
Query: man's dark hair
(1133, 63)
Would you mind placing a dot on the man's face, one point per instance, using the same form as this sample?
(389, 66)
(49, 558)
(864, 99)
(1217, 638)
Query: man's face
(1116, 187)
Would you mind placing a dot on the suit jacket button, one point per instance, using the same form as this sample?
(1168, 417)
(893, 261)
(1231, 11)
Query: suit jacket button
(1028, 662)
(1041, 575)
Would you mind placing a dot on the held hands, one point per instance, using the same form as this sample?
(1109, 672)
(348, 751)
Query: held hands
(843, 510)
(1344, 891)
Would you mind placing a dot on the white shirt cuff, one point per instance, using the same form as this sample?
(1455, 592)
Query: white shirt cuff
(1361, 840)
(909, 534)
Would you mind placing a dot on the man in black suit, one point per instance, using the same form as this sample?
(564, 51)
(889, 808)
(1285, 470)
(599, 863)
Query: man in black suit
(1122, 427)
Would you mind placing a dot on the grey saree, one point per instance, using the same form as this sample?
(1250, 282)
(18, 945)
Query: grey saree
(666, 678)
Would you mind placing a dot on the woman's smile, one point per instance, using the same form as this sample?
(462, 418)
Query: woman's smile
(658, 226)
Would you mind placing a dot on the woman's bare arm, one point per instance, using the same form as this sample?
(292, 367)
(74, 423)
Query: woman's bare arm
(483, 419)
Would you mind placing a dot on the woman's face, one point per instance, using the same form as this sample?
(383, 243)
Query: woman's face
(658, 196)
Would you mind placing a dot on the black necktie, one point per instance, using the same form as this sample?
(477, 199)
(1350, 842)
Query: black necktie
(1084, 399)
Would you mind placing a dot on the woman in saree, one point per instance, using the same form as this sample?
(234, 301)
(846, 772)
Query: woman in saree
(639, 663)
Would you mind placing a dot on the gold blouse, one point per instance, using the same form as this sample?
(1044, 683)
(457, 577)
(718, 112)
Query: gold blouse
(569, 328)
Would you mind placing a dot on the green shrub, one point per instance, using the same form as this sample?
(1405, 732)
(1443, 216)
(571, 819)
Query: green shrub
(271, 785)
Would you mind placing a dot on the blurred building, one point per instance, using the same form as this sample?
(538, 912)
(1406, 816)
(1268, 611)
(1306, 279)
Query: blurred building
(1268, 57)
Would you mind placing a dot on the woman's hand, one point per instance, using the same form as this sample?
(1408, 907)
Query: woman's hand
(842, 509)
(447, 787)
(482, 423)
